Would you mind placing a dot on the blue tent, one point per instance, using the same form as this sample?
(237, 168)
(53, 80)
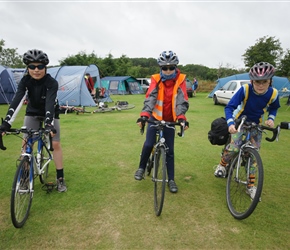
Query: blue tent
(72, 88)
(280, 83)
(9, 78)
(121, 85)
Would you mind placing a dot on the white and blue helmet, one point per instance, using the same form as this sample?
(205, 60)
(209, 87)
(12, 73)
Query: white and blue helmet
(167, 58)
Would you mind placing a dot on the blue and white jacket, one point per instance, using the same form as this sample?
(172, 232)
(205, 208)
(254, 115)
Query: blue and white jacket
(247, 102)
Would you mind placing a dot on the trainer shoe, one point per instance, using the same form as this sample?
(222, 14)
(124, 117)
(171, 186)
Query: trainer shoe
(172, 186)
(60, 185)
(251, 191)
(139, 174)
(220, 171)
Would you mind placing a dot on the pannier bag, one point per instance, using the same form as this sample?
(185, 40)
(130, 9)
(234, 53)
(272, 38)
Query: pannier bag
(218, 135)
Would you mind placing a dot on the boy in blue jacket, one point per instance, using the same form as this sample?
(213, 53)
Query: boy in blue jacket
(252, 100)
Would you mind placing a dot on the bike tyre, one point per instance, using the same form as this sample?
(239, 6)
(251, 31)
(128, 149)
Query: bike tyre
(44, 157)
(239, 203)
(159, 179)
(20, 202)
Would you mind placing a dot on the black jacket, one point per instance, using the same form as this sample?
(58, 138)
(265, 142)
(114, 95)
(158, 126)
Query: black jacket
(42, 98)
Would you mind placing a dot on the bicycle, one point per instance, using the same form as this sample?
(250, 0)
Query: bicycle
(158, 161)
(246, 175)
(30, 165)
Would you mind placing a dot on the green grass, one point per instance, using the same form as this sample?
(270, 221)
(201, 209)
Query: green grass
(105, 208)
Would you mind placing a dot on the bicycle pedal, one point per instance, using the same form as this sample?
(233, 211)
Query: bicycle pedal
(48, 187)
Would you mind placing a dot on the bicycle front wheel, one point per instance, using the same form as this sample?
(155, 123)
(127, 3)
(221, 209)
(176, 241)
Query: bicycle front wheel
(159, 179)
(21, 195)
(43, 177)
(245, 183)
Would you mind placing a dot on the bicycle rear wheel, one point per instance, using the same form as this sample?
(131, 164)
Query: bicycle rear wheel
(125, 107)
(44, 158)
(159, 179)
(239, 201)
(21, 195)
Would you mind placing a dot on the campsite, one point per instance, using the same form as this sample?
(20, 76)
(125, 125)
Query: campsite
(105, 208)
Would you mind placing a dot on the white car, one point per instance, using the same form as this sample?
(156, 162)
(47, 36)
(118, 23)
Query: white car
(145, 82)
(226, 92)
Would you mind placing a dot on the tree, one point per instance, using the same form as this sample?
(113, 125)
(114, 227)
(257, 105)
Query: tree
(284, 67)
(10, 57)
(266, 49)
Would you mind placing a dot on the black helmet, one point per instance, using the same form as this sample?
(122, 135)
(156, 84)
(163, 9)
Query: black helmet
(167, 58)
(262, 71)
(35, 55)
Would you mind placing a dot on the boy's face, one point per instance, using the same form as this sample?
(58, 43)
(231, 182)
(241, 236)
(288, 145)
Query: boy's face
(261, 86)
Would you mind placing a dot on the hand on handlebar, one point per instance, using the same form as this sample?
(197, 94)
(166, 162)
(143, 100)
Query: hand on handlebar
(184, 123)
(232, 129)
(270, 123)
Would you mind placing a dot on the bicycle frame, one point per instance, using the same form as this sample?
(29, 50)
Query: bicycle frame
(36, 169)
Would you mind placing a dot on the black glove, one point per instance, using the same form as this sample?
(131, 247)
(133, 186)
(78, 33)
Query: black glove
(50, 128)
(142, 119)
(186, 123)
(5, 126)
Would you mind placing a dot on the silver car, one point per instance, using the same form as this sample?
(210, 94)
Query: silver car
(226, 92)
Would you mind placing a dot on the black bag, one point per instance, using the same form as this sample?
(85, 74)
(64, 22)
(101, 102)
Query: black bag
(218, 135)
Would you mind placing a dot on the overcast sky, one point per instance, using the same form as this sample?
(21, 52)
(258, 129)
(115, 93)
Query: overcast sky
(209, 33)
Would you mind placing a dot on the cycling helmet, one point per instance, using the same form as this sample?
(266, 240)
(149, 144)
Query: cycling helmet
(262, 71)
(167, 58)
(35, 55)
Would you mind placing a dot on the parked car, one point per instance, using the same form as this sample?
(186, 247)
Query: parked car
(145, 82)
(226, 92)
(189, 87)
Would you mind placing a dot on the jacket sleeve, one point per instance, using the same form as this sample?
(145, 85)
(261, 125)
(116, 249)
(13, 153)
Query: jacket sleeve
(182, 104)
(51, 95)
(273, 107)
(150, 100)
(232, 105)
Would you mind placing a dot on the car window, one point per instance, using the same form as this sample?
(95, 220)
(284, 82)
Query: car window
(188, 83)
(233, 86)
(226, 86)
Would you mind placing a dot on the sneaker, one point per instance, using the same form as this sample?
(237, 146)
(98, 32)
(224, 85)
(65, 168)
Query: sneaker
(172, 186)
(220, 171)
(139, 174)
(252, 192)
(60, 185)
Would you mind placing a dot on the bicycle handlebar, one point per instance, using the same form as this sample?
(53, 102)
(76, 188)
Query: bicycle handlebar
(14, 131)
(164, 124)
(242, 122)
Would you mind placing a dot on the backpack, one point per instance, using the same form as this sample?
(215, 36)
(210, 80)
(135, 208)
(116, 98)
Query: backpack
(218, 135)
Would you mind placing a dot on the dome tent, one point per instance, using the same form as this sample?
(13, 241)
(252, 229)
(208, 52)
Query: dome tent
(72, 88)
(280, 83)
(9, 79)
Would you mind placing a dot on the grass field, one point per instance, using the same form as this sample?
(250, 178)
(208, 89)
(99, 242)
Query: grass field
(105, 208)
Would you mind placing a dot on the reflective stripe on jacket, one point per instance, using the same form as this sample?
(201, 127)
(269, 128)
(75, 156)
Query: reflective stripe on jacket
(158, 108)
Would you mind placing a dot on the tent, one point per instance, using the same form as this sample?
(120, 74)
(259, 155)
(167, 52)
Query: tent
(121, 85)
(72, 87)
(280, 83)
(9, 78)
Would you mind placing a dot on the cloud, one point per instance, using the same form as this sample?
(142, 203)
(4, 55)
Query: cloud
(208, 33)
